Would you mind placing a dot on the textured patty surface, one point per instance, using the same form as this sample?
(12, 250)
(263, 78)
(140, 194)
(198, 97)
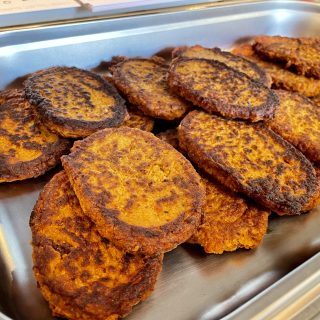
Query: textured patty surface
(141, 193)
(143, 82)
(281, 77)
(27, 148)
(231, 60)
(249, 158)
(81, 274)
(170, 136)
(138, 120)
(216, 87)
(302, 56)
(316, 100)
(297, 120)
(229, 221)
(74, 102)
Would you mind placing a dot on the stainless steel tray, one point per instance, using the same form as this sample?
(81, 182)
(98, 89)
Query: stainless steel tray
(193, 285)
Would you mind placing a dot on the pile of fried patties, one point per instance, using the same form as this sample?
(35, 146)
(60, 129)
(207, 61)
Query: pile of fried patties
(226, 151)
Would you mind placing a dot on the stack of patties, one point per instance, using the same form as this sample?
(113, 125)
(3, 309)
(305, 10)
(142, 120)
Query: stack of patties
(100, 227)
(247, 158)
(143, 82)
(292, 63)
(56, 104)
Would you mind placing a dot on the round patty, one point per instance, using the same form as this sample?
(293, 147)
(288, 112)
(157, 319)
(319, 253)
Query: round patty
(144, 83)
(217, 88)
(81, 274)
(141, 193)
(27, 148)
(249, 158)
(73, 102)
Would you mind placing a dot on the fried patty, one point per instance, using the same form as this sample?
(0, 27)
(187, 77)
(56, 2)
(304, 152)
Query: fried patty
(74, 103)
(81, 274)
(249, 158)
(141, 193)
(216, 87)
(301, 56)
(230, 222)
(138, 120)
(297, 120)
(281, 78)
(143, 83)
(238, 63)
(27, 148)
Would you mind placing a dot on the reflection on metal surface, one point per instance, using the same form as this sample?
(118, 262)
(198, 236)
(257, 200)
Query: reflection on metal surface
(5, 251)
(262, 280)
(293, 297)
(192, 285)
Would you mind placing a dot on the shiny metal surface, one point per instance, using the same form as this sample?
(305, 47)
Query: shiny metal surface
(192, 285)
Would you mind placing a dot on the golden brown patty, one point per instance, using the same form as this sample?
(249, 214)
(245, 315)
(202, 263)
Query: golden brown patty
(281, 78)
(81, 274)
(143, 82)
(138, 120)
(249, 158)
(229, 221)
(27, 148)
(141, 193)
(218, 88)
(73, 102)
(231, 60)
(304, 58)
(297, 120)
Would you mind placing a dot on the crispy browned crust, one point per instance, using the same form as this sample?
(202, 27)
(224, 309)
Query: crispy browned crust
(81, 274)
(315, 199)
(138, 120)
(297, 120)
(143, 83)
(216, 87)
(281, 78)
(238, 63)
(229, 222)
(141, 193)
(249, 158)
(316, 100)
(304, 58)
(27, 148)
(64, 97)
